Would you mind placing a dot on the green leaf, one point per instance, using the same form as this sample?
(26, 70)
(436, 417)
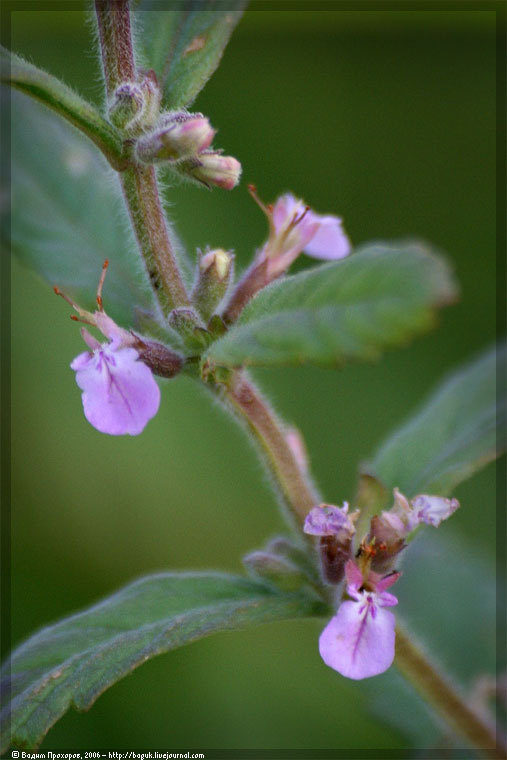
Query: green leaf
(67, 213)
(352, 309)
(56, 95)
(184, 43)
(74, 661)
(459, 429)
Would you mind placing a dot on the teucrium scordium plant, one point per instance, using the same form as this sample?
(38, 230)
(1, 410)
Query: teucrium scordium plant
(340, 563)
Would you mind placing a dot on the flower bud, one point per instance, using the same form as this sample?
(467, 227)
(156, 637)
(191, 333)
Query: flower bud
(127, 104)
(211, 168)
(176, 136)
(213, 278)
(152, 99)
(135, 105)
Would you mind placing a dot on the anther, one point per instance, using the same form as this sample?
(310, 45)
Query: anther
(65, 298)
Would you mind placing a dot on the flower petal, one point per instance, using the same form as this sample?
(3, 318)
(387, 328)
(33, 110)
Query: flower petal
(329, 241)
(120, 394)
(356, 643)
(284, 210)
(433, 509)
(328, 520)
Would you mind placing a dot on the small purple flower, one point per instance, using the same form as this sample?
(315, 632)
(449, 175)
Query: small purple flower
(293, 228)
(433, 509)
(359, 641)
(328, 520)
(405, 516)
(301, 229)
(120, 394)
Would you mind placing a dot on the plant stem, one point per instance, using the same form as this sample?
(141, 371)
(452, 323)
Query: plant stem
(113, 20)
(139, 183)
(299, 496)
(294, 484)
(438, 690)
(143, 202)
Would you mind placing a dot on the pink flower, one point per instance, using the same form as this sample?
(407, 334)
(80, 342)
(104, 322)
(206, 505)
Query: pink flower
(328, 520)
(301, 229)
(405, 516)
(120, 394)
(293, 228)
(433, 509)
(359, 641)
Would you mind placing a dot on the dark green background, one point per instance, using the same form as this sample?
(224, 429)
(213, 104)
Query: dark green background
(387, 118)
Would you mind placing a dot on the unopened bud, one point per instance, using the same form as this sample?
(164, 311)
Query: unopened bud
(135, 105)
(213, 278)
(211, 168)
(152, 99)
(176, 136)
(127, 104)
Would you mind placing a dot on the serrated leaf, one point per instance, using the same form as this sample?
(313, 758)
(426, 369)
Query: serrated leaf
(72, 662)
(67, 213)
(457, 430)
(352, 309)
(184, 42)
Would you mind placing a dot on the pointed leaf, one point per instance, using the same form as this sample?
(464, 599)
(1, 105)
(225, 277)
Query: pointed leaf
(69, 105)
(66, 213)
(72, 662)
(184, 46)
(379, 297)
(459, 429)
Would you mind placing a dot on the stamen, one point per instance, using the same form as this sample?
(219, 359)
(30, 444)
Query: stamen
(84, 321)
(297, 219)
(101, 285)
(253, 192)
(65, 298)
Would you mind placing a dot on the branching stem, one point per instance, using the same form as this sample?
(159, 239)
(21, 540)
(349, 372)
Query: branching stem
(139, 183)
(299, 496)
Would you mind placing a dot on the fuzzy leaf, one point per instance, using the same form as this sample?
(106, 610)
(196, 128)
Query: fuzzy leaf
(69, 105)
(72, 662)
(459, 429)
(184, 43)
(352, 309)
(66, 213)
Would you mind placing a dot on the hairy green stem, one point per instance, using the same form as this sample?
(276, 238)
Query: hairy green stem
(143, 201)
(296, 488)
(299, 496)
(139, 183)
(59, 98)
(113, 21)
(438, 690)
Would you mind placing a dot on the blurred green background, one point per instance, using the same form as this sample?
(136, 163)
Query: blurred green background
(387, 118)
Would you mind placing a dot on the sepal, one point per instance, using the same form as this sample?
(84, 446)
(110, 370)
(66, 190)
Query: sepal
(214, 275)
